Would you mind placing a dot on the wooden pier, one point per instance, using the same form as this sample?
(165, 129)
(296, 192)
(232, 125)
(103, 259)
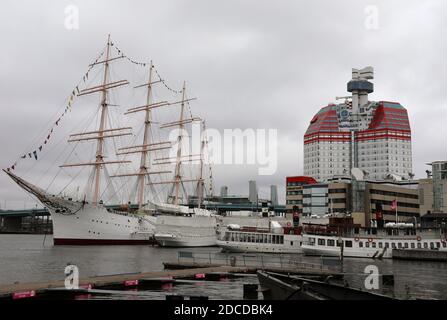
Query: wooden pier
(27, 290)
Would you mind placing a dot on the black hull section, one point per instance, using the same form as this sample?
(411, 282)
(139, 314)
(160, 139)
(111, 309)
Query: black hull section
(281, 287)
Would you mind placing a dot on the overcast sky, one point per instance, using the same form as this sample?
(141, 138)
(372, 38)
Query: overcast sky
(252, 64)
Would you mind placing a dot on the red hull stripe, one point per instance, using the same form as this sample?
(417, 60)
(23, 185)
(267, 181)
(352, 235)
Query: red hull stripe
(89, 242)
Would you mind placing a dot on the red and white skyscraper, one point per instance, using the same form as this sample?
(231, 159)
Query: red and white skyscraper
(374, 136)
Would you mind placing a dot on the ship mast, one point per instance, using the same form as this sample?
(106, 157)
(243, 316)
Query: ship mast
(146, 145)
(178, 177)
(100, 144)
(177, 181)
(103, 132)
(144, 154)
(200, 182)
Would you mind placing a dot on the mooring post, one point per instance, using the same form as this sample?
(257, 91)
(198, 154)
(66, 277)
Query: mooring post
(250, 291)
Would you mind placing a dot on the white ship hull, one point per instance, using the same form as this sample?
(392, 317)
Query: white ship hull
(186, 231)
(81, 223)
(95, 225)
(170, 240)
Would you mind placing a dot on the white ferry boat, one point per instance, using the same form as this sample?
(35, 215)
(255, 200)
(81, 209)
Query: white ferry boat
(275, 239)
(370, 242)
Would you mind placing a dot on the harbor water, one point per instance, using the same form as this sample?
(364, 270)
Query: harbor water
(33, 258)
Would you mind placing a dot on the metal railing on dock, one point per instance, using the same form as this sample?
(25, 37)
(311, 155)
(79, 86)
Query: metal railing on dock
(274, 261)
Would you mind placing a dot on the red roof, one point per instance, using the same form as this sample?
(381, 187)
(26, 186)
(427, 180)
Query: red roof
(390, 115)
(301, 179)
(325, 120)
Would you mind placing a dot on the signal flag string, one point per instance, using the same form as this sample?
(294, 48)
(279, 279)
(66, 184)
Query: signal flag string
(74, 92)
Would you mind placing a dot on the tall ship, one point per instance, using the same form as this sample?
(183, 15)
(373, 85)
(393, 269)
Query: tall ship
(118, 204)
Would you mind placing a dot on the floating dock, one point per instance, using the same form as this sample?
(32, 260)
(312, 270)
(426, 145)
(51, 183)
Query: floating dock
(420, 255)
(120, 281)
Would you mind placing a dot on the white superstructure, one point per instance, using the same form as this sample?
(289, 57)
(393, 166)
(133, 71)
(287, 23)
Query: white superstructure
(379, 245)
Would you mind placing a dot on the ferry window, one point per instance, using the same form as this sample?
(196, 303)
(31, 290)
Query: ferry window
(399, 245)
(356, 230)
(348, 243)
(387, 245)
(373, 244)
(281, 238)
(412, 245)
(438, 245)
(432, 245)
(361, 244)
(419, 245)
(367, 244)
(393, 245)
(321, 242)
(444, 245)
(380, 245)
(406, 245)
(331, 242)
(312, 240)
(291, 243)
(425, 245)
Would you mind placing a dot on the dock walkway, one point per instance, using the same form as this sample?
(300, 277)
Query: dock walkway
(18, 289)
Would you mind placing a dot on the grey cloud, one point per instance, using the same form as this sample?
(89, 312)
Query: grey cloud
(252, 64)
